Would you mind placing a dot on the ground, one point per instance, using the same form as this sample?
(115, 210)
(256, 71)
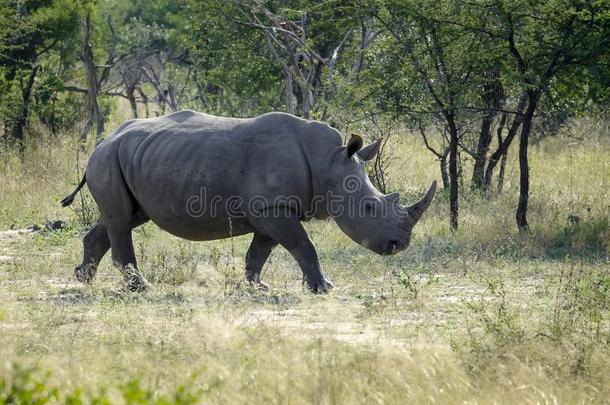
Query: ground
(485, 315)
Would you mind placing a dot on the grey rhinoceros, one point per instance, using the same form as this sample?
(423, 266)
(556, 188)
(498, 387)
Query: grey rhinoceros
(202, 177)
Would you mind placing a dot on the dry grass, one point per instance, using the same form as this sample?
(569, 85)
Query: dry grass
(481, 316)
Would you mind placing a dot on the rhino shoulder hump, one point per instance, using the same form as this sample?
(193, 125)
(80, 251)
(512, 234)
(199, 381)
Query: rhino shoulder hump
(308, 128)
(323, 132)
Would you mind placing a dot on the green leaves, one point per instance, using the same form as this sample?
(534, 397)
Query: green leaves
(398, 58)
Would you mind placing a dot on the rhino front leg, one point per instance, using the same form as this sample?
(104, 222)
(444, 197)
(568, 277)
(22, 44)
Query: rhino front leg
(288, 232)
(257, 255)
(124, 257)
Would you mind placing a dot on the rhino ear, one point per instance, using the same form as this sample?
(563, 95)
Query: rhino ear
(353, 145)
(369, 152)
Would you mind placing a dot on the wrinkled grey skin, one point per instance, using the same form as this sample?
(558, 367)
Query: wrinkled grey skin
(155, 169)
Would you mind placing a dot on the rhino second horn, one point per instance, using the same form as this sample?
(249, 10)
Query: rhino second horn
(416, 210)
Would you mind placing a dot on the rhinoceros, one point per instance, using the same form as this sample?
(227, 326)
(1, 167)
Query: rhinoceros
(202, 177)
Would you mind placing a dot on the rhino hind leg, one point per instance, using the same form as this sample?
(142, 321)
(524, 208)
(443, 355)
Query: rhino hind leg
(288, 231)
(124, 258)
(120, 213)
(257, 255)
(95, 246)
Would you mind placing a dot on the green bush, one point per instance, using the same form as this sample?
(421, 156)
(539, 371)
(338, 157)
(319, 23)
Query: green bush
(23, 386)
(59, 111)
(29, 386)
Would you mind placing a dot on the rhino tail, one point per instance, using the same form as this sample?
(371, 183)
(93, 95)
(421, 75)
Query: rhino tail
(70, 199)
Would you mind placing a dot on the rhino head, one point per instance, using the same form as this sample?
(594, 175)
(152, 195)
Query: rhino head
(370, 218)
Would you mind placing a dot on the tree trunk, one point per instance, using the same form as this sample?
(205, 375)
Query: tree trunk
(18, 126)
(478, 172)
(171, 97)
(453, 173)
(132, 100)
(304, 99)
(493, 97)
(99, 122)
(145, 101)
(502, 171)
(443, 164)
(504, 155)
(200, 90)
(95, 113)
(524, 174)
(503, 147)
(162, 97)
(365, 39)
(307, 104)
(289, 93)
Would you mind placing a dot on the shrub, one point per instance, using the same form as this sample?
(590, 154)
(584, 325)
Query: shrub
(29, 386)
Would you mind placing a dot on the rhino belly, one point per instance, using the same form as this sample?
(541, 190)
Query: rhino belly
(193, 215)
(202, 230)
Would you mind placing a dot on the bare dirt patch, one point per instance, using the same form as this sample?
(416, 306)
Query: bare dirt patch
(10, 241)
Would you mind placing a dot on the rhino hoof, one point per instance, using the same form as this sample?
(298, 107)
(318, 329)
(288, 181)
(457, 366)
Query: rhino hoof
(254, 280)
(320, 286)
(135, 281)
(259, 285)
(137, 284)
(85, 273)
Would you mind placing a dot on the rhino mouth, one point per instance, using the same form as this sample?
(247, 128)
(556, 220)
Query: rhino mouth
(392, 247)
(384, 246)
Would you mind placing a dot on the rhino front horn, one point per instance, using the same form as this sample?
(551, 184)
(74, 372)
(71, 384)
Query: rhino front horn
(416, 210)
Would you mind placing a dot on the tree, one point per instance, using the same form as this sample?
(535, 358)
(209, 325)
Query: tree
(301, 50)
(468, 57)
(94, 83)
(446, 60)
(546, 40)
(31, 29)
(234, 72)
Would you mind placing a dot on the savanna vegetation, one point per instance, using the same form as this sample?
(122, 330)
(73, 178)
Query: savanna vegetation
(503, 295)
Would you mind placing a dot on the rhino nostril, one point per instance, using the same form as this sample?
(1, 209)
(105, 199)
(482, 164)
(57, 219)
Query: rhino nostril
(394, 245)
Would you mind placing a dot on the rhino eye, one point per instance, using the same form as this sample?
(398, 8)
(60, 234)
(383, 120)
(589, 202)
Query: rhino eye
(369, 207)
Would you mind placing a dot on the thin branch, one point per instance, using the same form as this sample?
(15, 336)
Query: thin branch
(513, 48)
(422, 131)
(75, 89)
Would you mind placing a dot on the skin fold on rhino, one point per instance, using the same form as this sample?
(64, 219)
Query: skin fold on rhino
(202, 177)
